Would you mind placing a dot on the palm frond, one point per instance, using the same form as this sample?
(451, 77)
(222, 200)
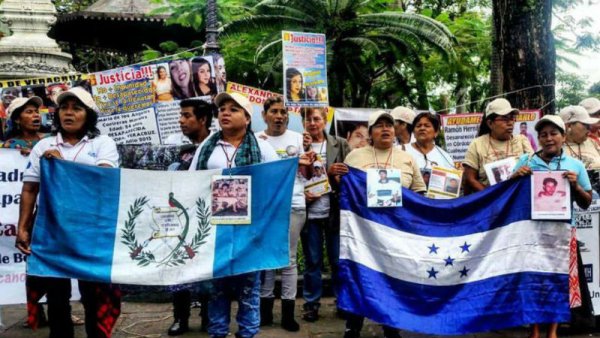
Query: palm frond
(262, 23)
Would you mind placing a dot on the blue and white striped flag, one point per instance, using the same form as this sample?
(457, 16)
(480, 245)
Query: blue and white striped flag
(153, 227)
(452, 267)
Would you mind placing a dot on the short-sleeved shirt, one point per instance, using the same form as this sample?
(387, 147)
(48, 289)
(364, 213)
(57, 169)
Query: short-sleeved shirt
(563, 162)
(370, 158)
(587, 152)
(484, 150)
(96, 151)
(287, 145)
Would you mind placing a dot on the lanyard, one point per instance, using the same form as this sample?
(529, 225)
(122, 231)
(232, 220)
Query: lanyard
(578, 155)
(230, 161)
(74, 159)
(497, 157)
(387, 161)
(548, 164)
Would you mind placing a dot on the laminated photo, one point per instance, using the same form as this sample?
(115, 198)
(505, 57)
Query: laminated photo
(231, 199)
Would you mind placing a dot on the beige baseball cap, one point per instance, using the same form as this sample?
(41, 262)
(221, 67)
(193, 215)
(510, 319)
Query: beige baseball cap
(404, 114)
(591, 104)
(21, 101)
(238, 98)
(571, 114)
(82, 95)
(376, 115)
(500, 107)
(554, 119)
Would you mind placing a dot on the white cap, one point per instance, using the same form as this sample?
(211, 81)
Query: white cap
(237, 98)
(591, 104)
(404, 114)
(82, 95)
(376, 115)
(571, 114)
(21, 101)
(554, 119)
(499, 107)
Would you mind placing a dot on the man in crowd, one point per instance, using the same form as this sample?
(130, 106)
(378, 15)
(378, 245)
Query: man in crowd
(194, 120)
(403, 124)
(287, 144)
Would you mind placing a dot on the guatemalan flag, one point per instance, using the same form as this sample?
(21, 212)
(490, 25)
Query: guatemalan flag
(452, 267)
(153, 227)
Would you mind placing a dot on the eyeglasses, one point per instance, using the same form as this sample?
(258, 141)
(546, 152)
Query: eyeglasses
(314, 120)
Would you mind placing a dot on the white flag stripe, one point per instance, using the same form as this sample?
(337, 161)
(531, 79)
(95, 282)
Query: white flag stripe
(160, 238)
(522, 246)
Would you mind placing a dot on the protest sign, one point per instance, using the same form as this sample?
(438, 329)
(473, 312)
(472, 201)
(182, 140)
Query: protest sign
(459, 131)
(140, 104)
(525, 125)
(257, 98)
(12, 262)
(444, 183)
(550, 196)
(305, 69)
(156, 157)
(351, 124)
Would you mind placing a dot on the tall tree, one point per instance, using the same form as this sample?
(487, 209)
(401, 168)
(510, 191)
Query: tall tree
(365, 42)
(524, 56)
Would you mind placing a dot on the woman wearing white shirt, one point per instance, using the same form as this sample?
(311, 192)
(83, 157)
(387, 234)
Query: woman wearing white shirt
(77, 139)
(424, 150)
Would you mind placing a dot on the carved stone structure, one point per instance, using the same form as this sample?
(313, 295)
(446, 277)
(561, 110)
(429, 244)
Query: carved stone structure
(29, 52)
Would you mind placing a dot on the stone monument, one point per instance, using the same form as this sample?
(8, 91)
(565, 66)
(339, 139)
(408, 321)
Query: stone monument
(29, 52)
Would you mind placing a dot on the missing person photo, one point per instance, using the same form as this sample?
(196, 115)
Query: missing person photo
(231, 199)
(550, 196)
(384, 188)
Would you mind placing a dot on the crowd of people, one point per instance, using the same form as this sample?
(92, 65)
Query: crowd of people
(399, 140)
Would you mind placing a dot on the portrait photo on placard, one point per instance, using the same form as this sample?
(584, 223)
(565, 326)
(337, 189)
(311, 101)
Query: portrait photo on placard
(384, 188)
(231, 199)
(550, 196)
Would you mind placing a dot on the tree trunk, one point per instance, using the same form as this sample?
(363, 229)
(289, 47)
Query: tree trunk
(523, 53)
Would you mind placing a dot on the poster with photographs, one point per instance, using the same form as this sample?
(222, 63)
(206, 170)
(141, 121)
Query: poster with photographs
(305, 69)
(444, 183)
(231, 199)
(550, 196)
(139, 104)
(317, 182)
(500, 171)
(525, 126)
(384, 188)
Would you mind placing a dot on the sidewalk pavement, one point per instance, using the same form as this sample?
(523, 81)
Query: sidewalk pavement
(152, 320)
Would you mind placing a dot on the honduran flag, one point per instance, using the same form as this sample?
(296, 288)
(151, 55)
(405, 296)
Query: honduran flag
(154, 227)
(452, 267)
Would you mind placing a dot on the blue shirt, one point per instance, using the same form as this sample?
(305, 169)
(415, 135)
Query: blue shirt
(563, 162)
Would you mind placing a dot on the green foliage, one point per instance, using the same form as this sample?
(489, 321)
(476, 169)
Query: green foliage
(595, 89)
(367, 43)
(570, 89)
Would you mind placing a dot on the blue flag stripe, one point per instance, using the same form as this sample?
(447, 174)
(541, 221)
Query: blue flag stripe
(90, 210)
(241, 248)
(497, 206)
(480, 306)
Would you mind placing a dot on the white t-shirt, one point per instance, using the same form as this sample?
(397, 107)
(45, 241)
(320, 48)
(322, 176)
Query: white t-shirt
(319, 209)
(99, 150)
(287, 145)
(436, 157)
(218, 160)
(177, 139)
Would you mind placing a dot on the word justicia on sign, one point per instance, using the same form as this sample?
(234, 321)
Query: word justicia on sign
(122, 75)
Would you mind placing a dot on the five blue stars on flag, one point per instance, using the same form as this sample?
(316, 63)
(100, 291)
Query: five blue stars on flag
(449, 261)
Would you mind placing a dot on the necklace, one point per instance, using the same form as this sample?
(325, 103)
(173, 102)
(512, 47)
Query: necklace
(74, 159)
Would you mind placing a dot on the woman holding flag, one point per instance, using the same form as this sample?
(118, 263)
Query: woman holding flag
(76, 139)
(551, 136)
(381, 154)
